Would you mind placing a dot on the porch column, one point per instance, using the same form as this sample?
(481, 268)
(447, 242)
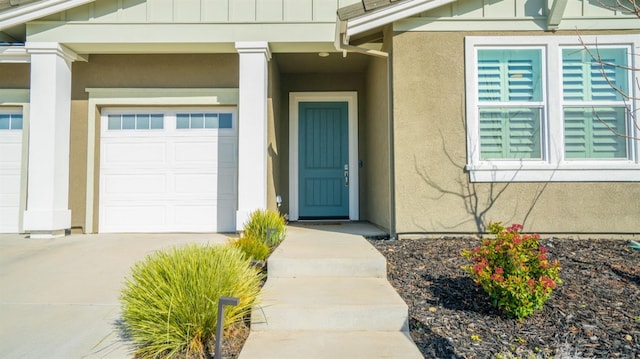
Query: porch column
(47, 214)
(252, 129)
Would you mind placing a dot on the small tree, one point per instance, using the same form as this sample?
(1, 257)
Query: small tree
(630, 7)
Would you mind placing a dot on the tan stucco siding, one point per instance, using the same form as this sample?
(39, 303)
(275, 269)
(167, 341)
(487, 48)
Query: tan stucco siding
(377, 150)
(275, 141)
(433, 192)
(15, 76)
(131, 71)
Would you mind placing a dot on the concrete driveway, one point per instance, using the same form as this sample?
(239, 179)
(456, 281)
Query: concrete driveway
(59, 297)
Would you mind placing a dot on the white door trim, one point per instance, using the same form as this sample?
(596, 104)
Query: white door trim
(351, 97)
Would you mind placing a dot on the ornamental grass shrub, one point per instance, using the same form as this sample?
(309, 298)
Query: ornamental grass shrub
(170, 301)
(253, 247)
(267, 226)
(513, 269)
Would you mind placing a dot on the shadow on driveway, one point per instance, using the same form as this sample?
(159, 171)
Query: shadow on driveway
(59, 297)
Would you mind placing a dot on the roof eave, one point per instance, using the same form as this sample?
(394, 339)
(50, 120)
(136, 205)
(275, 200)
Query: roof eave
(389, 14)
(25, 13)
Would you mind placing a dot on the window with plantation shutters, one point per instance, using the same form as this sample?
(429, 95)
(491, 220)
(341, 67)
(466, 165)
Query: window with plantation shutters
(595, 123)
(510, 103)
(540, 108)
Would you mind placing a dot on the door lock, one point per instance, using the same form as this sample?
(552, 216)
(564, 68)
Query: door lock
(346, 175)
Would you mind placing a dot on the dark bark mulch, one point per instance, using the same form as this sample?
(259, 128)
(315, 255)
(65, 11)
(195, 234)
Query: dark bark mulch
(594, 314)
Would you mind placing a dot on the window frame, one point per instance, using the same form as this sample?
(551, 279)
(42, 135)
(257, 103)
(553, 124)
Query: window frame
(552, 166)
(169, 116)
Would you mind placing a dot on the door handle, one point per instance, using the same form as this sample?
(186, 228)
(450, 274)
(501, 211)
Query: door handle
(346, 175)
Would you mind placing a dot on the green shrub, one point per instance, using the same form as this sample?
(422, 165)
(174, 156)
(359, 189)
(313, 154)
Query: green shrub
(259, 224)
(513, 269)
(170, 302)
(252, 247)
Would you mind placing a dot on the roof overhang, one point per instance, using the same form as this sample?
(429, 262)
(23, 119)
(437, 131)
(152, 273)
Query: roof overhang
(384, 15)
(367, 16)
(32, 11)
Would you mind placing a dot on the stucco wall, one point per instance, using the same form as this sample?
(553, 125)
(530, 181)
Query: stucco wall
(14, 76)
(433, 192)
(376, 142)
(275, 141)
(135, 71)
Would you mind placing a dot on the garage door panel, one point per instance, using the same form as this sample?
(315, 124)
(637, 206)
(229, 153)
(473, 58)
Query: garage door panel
(10, 153)
(195, 215)
(138, 184)
(227, 183)
(205, 152)
(174, 180)
(192, 183)
(133, 218)
(134, 154)
(10, 170)
(228, 153)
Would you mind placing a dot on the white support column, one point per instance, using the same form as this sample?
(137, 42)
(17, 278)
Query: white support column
(47, 213)
(252, 134)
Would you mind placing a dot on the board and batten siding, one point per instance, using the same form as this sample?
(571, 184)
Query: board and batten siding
(203, 11)
(519, 9)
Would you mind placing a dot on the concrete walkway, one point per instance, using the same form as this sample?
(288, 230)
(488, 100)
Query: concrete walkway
(59, 297)
(327, 296)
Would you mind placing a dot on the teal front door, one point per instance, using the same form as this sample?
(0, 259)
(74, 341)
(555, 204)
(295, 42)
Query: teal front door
(323, 166)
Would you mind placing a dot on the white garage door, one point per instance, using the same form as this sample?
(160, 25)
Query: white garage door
(10, 165)
(168, 171)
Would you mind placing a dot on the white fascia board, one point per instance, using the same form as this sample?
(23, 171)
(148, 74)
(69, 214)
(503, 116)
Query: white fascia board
(14, 54)
(26, 13)
(390, 14)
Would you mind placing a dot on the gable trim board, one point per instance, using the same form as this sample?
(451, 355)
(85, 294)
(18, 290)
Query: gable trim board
(131, 97)
(25, 13)
(352, 100)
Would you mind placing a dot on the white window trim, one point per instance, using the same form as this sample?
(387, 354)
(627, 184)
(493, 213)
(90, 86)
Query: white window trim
(552, 167)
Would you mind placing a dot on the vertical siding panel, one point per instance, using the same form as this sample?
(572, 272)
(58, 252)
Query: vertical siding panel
(342, 3)
(242, 10)
(186, 11)
(324, 10)
(573, 9)
(531, 8)
(105, 10)
(595, 8)
(160, 10)
(499, 9)
(442, 11)
(298, 10)
(215, 10)
(269, 10)
(80, 13)
(470, 8)
(133, 10)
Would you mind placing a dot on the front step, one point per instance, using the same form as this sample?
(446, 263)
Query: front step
(335, 345)
(341, 304)
(337, 255)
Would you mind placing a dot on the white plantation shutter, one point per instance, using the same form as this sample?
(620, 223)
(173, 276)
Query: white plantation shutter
(594, 112)
(589, 132)
(509, 81)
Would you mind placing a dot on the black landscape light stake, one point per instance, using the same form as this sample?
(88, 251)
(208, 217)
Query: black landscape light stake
(221, 303)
